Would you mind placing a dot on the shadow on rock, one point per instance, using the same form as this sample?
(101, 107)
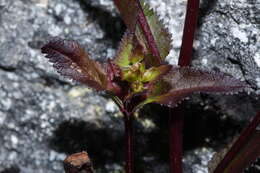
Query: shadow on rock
(205, 9)
(202, 128)
(12, 169)
(103, 145)
(112, 25)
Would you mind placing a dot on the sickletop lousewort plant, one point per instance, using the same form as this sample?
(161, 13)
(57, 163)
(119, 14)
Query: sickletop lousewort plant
(138, 74)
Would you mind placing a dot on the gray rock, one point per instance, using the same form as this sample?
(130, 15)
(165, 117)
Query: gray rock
(227, 36)
(106, 5)
(39, 109)
(34, 98)
(197, 160)
(227, 41)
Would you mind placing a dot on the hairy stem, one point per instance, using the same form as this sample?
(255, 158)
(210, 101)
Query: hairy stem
(176, 116)
(176, 126)
(129, 144)
(242, 140)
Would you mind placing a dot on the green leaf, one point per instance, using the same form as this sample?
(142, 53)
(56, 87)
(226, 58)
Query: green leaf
(153, 35)
(72, 61)
(180, 82)
(124, 50)
(134, 72)
(154, 73)
(159, 31)
(129, 52)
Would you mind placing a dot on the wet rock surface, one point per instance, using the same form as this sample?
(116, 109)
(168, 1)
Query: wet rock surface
(44, 117)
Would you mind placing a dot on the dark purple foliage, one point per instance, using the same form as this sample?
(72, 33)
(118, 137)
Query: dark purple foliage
(72, 61)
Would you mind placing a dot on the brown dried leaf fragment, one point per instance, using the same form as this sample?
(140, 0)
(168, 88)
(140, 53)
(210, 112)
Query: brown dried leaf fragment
(77, 163)
(72, 61)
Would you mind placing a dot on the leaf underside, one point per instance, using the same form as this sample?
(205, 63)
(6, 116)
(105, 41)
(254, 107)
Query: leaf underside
(73, 62)
(129, 11)
(180, 82)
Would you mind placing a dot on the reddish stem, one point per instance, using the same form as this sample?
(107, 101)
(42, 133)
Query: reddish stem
(242, 140)
(176, 126)
(176, 116)
(129, 144)
(191, 19)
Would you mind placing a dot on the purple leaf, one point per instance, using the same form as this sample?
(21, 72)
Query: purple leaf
(183, 81)
(72, 61)
(129, 12)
